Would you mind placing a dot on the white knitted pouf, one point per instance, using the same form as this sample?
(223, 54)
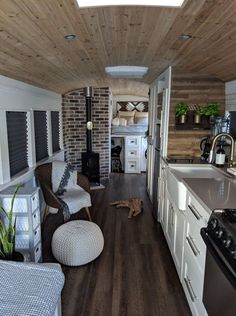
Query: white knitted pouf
(77, 242)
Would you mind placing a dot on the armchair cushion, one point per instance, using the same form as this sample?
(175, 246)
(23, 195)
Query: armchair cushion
(66, 190)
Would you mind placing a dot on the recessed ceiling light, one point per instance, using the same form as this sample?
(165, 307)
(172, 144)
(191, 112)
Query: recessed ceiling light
(135, 72)
(185, 36)
(70, 37)
(106, 3)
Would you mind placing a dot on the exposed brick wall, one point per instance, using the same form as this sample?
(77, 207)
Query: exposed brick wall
(74, 127)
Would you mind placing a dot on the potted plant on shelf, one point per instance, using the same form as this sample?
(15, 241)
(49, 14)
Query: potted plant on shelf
(7, 233)
(181, 112)
(198, 113)
(212, 109)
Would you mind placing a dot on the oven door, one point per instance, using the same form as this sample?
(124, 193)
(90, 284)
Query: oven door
(219, 293)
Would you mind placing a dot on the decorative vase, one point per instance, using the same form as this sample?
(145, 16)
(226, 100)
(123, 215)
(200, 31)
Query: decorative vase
(182, 119)
(197, 119)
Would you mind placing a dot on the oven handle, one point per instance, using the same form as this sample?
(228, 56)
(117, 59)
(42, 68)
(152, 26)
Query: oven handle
(230, 275)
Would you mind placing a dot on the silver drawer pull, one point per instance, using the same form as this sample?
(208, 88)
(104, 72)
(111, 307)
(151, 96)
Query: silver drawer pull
(190, 289)
(192, 245)
(195, 212)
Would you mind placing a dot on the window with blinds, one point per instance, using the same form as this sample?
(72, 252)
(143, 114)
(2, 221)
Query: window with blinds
(41, 137)
(17, 141)
(55, 131)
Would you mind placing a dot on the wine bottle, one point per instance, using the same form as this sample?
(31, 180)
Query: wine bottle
(220, 157)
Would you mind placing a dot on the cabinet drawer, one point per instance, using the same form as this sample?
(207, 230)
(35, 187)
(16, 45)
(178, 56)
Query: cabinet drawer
(20, 204)
(38, 252)
(132, 141)
(22, 223)
(132, 166)
(36, 219)
(34, 202)
(37, 235)
(196, 213)
(192, 281)
(22, 241)
(195, 244)
(132, 153)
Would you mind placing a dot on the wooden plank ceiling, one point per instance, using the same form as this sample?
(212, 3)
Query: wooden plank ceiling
(33, 48)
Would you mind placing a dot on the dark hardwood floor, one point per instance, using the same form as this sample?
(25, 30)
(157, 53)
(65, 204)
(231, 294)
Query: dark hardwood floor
(135, 274)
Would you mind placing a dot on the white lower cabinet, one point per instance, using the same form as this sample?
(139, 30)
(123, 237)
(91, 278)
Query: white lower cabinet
(132, 154)
(162, 195)
(182, 232)
(161, 201)
(192, 282)
(178, 245)
(175, 230)
(169, 218)
(194, 255)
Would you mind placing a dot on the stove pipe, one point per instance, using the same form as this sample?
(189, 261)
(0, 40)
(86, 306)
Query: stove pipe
(88, 92)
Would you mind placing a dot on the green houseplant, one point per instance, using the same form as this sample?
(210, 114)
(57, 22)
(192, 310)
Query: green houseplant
(181, 111)
(212, 109)
(7, 231)
(198, 113)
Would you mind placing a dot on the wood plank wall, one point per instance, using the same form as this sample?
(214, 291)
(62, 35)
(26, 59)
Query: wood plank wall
(192, 89)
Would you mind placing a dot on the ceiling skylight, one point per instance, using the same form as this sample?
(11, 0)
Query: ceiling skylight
(106, 3)
(136, 72)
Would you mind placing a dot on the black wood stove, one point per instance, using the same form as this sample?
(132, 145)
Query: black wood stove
(90, 159)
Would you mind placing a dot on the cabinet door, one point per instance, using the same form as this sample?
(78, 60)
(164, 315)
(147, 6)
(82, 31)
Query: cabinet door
(192, 282)
(161, 202)
(169, 223)
(178, 239)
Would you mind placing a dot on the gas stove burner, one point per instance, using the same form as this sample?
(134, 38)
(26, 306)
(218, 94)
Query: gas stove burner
(230, 214)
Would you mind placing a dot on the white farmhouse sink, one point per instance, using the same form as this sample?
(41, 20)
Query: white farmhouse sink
(176, 174)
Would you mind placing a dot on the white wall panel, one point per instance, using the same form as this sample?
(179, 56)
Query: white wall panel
(230, 96)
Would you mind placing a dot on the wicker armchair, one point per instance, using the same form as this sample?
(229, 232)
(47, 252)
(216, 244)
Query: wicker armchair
(43, 173)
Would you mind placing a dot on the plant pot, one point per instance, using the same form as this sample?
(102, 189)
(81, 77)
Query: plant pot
(197, 119)
(17, 256)
(212, 119)
(183, 119)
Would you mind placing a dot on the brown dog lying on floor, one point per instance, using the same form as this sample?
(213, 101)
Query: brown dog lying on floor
(134, 204)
